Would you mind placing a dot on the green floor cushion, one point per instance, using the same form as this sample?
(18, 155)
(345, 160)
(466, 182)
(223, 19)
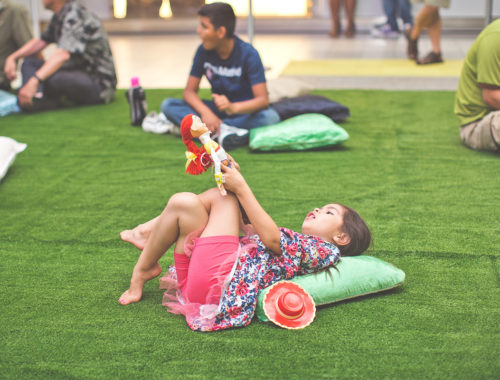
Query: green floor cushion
(354, 276)
(301, 132)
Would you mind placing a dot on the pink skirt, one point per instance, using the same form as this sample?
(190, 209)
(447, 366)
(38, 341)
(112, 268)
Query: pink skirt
(194, 286)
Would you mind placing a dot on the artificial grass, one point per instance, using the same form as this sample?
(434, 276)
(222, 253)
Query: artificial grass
(87, 174)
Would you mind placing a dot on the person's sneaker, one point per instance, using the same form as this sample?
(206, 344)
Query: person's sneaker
(385, 31)
(231, 137)
(156, 123)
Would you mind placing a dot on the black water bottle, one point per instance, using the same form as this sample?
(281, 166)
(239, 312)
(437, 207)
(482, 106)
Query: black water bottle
(137, 100)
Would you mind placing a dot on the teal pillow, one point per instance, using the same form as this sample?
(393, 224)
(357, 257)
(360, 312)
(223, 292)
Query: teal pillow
(307, 131)
(353, 276)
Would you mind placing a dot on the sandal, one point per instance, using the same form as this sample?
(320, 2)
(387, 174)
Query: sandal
(430, 58)
(412, 49)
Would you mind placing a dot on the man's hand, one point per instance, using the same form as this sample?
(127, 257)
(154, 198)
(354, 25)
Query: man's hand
(223, 104)
(26, 93)
(212, 122)
(10, 68)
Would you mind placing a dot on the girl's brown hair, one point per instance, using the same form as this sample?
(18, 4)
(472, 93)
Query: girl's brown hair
(358, 231)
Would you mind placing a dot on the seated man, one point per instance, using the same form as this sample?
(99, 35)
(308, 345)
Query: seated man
(81, 69)
(15, 31)
(236, 75)
(477, 102)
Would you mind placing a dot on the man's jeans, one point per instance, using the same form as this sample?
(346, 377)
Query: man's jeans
(175, 110)
(391, 8)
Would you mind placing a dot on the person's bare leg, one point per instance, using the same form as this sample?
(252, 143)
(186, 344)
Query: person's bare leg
(335, 16)
(224, 213)
(183, 214)
(425, 18)
(140, 234)
(435, 33)
(350, 10)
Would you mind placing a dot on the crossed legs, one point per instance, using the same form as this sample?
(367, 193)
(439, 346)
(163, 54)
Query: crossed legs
(184, 213)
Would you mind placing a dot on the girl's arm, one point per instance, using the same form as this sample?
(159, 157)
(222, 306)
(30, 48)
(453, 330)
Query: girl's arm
(262, 223)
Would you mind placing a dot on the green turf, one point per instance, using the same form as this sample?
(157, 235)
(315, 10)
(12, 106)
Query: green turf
(432, 204)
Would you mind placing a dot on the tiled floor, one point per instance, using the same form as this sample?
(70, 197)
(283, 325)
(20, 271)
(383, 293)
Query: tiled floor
(164, 61)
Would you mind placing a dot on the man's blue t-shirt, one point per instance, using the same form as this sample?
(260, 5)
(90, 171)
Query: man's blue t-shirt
(234, 76)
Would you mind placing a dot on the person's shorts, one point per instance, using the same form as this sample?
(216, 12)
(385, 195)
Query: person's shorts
(434, 3)
(483, 134)
(211, 262)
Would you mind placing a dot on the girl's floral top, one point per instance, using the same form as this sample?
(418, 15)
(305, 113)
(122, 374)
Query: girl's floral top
(257, 268)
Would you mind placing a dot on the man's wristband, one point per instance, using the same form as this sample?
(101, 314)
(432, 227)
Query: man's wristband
(37, 78)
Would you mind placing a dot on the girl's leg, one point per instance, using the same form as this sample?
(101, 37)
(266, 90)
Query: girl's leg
(140, 234)
(224, 213)
(184, 213)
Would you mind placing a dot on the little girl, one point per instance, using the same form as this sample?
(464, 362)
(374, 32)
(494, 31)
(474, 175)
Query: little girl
(217, 275)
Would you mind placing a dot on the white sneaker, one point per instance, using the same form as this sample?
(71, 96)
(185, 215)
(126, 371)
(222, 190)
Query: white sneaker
(156, 123)
(385, 31)
(231, 137)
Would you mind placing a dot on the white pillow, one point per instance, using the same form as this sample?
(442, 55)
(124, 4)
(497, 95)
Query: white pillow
(280, 88)
(9, 148)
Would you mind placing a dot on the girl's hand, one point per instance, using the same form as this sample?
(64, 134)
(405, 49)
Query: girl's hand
(233, 162)
(233, 180)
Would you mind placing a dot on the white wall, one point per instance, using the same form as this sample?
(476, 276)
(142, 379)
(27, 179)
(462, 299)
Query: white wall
(373, 8)
(365, 8)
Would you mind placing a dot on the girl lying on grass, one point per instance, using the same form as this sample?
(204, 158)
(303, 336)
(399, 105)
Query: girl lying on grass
(217, 275)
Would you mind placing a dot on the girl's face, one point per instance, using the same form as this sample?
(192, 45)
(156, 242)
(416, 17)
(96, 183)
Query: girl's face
(208, 35)
(325, 222)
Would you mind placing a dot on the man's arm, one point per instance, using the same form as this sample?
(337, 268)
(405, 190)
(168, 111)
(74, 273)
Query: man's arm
(54, 63)
(193, 99)
(31, 47)
(491, 96)
(259, 102)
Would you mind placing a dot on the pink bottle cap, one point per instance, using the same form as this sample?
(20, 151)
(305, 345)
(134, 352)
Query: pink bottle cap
(134, 81)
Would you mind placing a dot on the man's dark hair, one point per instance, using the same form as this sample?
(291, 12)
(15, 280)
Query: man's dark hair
(220, 14)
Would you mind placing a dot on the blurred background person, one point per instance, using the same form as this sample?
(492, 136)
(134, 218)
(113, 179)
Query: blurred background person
(350, 10)
(15, 31)
(393, 10)
(427, 18)
(477, 101)
(81, 69)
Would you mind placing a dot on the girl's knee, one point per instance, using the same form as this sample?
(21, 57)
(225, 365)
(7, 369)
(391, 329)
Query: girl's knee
(215, 196)
(183, 200)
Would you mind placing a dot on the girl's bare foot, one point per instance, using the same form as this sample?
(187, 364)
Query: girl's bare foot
(139, 278)
(138, 236)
